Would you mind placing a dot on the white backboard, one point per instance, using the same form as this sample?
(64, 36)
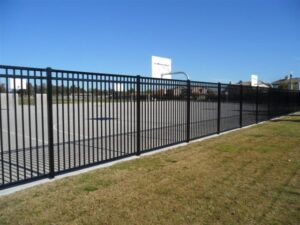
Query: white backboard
(254, 80)
(161, 66)
(19, 86)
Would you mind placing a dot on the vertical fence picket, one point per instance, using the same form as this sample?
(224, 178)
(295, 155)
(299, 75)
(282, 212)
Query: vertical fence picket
(219, 108)
(50, 122)
(256, 104)
(138, 115)
(188, 111)
(241, 105)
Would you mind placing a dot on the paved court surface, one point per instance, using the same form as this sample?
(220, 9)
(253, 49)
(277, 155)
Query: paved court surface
(92, 132)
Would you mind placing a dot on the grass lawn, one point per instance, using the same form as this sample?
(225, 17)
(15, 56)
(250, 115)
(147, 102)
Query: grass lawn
(250, 176)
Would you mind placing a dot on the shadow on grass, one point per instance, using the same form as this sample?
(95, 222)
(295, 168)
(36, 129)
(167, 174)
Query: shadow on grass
(280, 194)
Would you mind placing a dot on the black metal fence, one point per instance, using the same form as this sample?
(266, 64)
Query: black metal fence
(54, 121)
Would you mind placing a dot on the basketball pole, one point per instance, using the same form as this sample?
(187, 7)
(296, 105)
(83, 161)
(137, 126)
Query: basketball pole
(176, 73)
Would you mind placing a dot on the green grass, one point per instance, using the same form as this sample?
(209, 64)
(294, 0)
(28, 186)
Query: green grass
(251, 176)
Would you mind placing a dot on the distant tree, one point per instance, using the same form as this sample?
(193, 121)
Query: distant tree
(283, 85)
(43, 88)
(231, 92)
(169, 94)
(74, 89)
(131, 91)
(2, 88)
(29, 89)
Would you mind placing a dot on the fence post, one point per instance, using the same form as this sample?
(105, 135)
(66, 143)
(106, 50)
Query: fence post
(241, 105)
(256, 103)
(269, 103)
(219, 107)
(50, 122)
(138, 114)
(188, 111)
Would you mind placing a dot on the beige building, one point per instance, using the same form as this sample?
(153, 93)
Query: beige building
(259, 84)
(288, 83)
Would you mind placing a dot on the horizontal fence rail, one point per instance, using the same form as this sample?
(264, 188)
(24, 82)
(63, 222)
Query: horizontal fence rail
(55, 121)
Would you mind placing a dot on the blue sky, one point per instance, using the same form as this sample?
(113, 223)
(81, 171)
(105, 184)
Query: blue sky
(224, 40)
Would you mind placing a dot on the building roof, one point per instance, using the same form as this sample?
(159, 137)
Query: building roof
(296, 79)
(248, 83)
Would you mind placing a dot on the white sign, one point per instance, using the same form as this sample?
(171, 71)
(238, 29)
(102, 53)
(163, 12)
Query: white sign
(161, 66)
(254, 80)
(18, 83)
